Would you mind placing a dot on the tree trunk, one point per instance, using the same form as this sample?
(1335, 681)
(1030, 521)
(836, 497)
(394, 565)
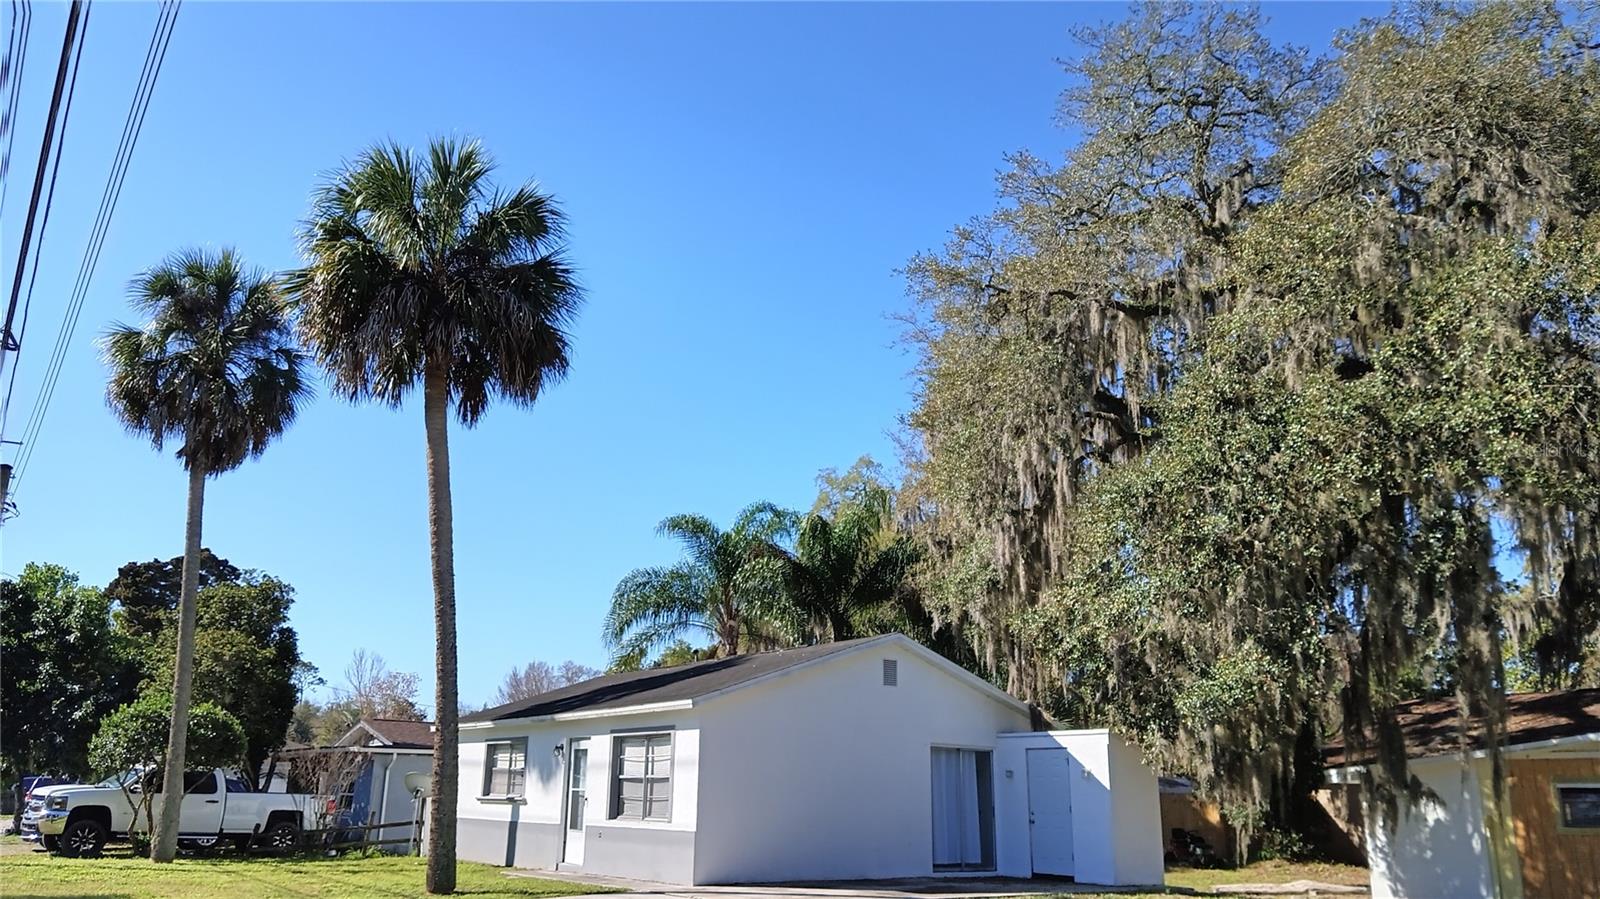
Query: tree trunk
(164, 842)
(441, 876)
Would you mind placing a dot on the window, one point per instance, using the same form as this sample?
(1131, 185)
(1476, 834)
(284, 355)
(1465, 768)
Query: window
(891, 672)
(237, 785)
(963, 810)
(641, 777)
(1580, 805)
(504, 767)
(194, 782)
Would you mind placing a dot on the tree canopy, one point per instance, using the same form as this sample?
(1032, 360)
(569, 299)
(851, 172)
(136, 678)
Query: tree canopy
(1279, 389)
(65, 667)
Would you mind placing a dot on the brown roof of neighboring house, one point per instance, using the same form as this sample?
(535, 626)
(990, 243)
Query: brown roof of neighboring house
(1431, 726)
(652, 685)
(402, 734)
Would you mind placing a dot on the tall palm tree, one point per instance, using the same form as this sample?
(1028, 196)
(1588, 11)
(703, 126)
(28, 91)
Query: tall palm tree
(849, 571)
(728, 587)
(419, 272)
(216, 371)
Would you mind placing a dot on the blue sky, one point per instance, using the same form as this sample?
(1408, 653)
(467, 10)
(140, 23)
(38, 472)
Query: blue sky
(742, 182)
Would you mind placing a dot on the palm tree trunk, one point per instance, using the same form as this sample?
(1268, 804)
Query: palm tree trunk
(164, 844)
(441, 876)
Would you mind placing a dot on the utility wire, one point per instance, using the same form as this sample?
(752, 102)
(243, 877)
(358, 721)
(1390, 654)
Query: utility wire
(44, 223)
(7, 341)
(134, 123)
(11, 68)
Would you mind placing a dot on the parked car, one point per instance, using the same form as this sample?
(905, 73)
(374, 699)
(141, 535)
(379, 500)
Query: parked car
(79, 820)
(34, 805)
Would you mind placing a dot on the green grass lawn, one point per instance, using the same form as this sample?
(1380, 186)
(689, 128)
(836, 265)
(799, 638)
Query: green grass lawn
(1204, 879)
(120, 876)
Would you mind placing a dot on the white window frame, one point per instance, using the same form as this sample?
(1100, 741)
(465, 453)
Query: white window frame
(614, 781)
(516, 745)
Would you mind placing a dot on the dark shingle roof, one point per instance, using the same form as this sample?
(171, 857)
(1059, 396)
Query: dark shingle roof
(1430, 725)
(691, 681)
(402, 734)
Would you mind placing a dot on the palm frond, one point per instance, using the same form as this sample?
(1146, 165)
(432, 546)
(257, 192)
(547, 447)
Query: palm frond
(215, 367)
(416, 261)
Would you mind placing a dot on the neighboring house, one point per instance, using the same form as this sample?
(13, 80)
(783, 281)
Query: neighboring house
(363, 774)
(862, 759)
(1452, 846)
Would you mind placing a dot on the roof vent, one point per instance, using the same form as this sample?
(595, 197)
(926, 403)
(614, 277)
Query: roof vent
(891, 673)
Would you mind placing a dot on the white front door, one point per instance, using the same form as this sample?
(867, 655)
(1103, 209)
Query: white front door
(1050, 810)
(577, 798)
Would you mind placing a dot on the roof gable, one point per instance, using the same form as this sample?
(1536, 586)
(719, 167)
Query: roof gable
(392, 733)
(684, 685)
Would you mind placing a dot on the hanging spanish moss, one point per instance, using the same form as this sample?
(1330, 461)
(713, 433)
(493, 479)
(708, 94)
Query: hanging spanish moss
(1234, 426)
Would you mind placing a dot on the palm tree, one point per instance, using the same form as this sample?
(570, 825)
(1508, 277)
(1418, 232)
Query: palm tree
(849, 571)
(728, 588)
(216, 371)
(419, 272)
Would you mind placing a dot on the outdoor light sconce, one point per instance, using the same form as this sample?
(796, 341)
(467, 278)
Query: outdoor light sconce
(558, 751)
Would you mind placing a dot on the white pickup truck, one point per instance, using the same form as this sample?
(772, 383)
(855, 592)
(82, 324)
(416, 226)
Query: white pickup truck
(79, 820)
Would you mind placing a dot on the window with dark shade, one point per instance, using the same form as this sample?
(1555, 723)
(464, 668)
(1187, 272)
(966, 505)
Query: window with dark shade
(1580, 806)
(504, 767)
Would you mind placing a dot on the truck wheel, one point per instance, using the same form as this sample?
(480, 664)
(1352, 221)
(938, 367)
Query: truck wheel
(83, 837)
(281, 837)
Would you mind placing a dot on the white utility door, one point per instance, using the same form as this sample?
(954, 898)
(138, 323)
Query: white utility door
(1050, 810)
(577, 798)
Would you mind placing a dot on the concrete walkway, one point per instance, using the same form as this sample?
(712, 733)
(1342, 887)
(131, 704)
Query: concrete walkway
(911, 888)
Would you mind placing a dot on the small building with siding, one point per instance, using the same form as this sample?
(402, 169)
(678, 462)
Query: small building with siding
(856, 760)
(363, 776)
(1450, 845)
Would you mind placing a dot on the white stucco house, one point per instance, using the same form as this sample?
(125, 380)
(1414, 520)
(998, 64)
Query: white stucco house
(1452, 844)
(863, 759)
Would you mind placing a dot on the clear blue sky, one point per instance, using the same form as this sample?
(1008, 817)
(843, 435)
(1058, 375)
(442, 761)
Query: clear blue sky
(742, 183)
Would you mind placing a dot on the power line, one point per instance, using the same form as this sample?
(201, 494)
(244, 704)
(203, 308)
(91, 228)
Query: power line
(44, 223)
(11, 68)
(155, 56)
(7, 340)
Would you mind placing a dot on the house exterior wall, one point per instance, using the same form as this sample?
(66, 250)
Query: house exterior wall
(394, 802)
(825, 773)
(1556, 863)
(1438, 850)
(528, 833)
(1116, 836)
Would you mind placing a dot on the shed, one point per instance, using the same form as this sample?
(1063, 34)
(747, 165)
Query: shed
(862, 759)
(1450, 844)
(363, 774)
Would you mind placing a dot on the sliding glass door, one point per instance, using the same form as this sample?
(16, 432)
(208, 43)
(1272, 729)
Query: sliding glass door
(963, 810)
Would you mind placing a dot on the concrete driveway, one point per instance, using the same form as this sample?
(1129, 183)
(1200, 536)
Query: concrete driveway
(910, 888)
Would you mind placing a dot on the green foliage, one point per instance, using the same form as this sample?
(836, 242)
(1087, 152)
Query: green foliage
(728, 588)
(135, 737)
(215, 368)
(143, 591)
(64, 668)
(246, 659)
(850, 570)
(1226, 421)
(416, 259)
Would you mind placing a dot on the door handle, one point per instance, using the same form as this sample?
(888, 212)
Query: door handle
(212, 801)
